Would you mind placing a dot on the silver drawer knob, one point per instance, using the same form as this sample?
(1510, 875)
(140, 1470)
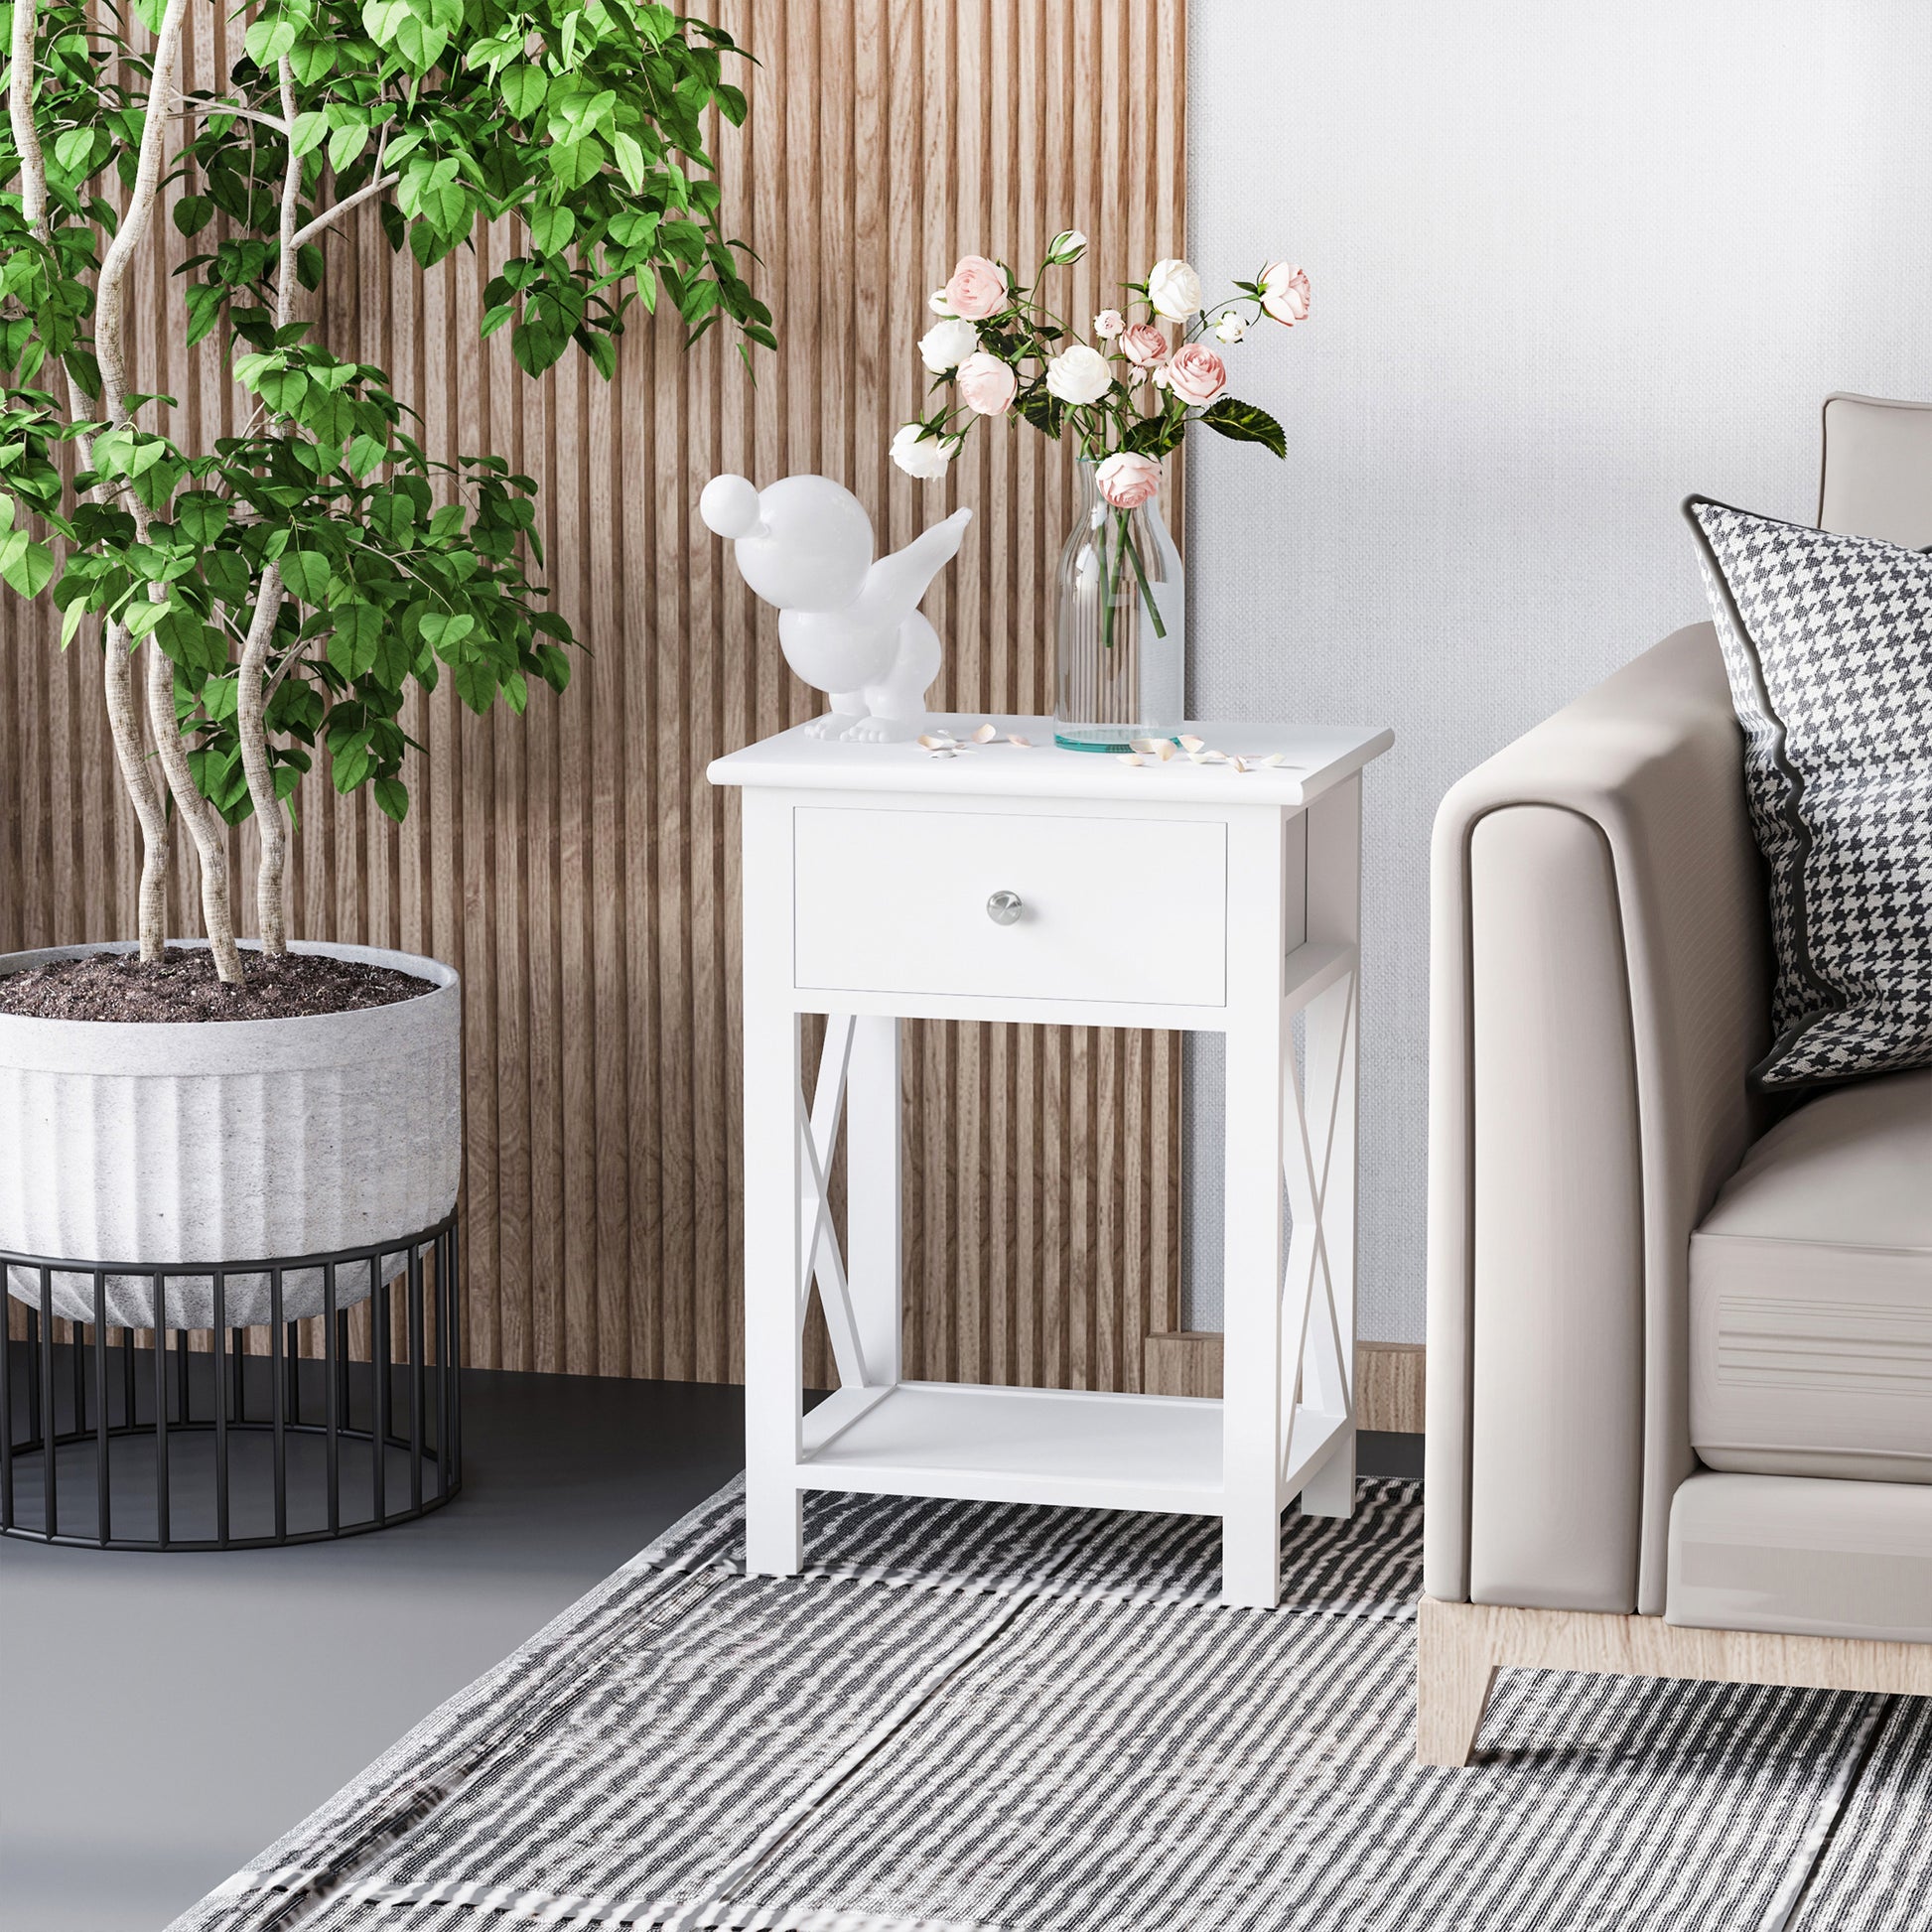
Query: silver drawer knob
(1004, 909)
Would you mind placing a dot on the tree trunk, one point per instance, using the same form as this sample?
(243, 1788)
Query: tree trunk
(252, 735)
(20, 110)
(124, 715)
(131, 751)
(204, 822)
(251, 690)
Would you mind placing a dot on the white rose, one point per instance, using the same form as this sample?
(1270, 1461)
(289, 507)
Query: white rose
(1173, 289)
(926, 456)
(1231, 328)
(939, 304)
(1108, 324)
(947, 344)
(1067, 246)
(1079, 375)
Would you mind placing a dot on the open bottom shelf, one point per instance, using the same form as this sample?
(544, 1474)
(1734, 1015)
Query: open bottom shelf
(1029, 1445)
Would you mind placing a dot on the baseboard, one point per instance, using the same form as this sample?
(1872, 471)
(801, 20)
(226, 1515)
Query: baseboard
(1388, 1376)
(1460, 1647)
(1184, 1362)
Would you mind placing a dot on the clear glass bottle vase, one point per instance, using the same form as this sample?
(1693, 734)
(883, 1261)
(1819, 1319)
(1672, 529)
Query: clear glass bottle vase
(1119, 671)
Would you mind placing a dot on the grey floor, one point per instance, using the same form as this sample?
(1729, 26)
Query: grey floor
(163, 1718)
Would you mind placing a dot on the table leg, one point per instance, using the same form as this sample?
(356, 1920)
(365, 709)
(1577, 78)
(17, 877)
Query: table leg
(873, 1195)
(1328, 1352)
(1252, 1395)
(1334, 915)
(774, 1265)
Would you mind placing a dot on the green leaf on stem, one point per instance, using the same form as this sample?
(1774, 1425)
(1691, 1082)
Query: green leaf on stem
(551, 228)
(80, 364)
(200, 516)
(1156, 436)
(309, 132)
(142, 616)
(26, 565)
(312, 61)
(1242, 422)
(1043, 410)
(475, 681)
(227, 575)
(346, 143)
(358, 638)
(269, 39)
(304, 574)
(523, 88)
(442, 628)
(630, 161)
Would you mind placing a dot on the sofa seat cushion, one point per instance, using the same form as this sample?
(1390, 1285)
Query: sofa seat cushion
(1810, 1293)
(1811, 1558)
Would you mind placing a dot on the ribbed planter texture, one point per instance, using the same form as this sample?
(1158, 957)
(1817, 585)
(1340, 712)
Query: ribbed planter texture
(245, 1140)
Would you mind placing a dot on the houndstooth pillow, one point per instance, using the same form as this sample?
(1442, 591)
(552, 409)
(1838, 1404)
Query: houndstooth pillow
(1827, 644)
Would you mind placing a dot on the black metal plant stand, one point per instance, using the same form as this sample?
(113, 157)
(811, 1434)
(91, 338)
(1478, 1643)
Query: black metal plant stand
(167, 1447)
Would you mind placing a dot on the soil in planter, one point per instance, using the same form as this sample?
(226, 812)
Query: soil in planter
(183, 987)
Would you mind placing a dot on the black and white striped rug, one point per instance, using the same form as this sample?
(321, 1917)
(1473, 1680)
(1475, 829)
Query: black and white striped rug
(977, 1718)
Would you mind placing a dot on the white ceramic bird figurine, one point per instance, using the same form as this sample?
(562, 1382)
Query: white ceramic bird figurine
(850, 628)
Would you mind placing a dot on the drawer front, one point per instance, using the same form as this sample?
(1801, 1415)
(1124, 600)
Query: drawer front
(1133, 911)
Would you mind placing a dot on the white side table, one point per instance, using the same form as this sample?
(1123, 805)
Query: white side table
(881, 883)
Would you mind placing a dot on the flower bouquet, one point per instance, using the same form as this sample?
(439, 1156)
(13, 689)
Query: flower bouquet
(1128, 399)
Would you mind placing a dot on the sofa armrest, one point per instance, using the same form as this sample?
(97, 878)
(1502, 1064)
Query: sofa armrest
(1600, 979)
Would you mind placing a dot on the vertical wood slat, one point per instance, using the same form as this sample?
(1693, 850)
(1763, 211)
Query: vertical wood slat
(573, 864)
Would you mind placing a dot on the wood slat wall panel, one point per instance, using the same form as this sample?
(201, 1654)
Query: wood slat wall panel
(573, 864)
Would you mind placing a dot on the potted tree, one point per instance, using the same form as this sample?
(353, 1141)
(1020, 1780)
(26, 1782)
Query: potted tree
(270, 600)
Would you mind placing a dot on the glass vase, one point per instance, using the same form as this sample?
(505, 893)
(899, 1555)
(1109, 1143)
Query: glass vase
(1120, 663)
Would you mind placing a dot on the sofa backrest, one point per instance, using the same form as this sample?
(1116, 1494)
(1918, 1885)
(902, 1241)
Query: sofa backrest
(1877, 478)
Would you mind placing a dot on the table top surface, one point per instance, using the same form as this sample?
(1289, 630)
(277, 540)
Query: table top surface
(1234, 763)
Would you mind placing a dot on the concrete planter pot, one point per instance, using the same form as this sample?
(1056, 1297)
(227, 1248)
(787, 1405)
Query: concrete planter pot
(244, 1140)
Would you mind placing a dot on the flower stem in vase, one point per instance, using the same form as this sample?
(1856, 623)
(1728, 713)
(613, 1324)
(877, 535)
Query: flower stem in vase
(1140, 571)
(1113, 581)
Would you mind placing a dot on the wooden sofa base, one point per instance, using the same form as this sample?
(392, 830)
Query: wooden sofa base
(1460, 1647)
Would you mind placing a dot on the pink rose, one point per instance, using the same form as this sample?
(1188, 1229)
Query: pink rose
(1196, 374)
(986, 384)
(977, 288)
(1144, 346)
(1108, 323)
(1285, 293)
(1127, 481)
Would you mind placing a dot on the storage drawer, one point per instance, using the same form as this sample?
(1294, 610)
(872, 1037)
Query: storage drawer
(1133, 911)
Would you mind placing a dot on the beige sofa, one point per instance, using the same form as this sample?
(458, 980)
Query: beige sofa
(1679, 1348)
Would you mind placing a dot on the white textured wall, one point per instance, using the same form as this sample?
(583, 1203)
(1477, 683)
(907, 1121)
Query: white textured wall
(1569, 264)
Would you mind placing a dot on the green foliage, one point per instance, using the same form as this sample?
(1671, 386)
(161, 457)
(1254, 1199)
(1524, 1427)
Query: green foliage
(1242, 422)
(584, 122)
(580, 121)
(1045, 412)
(381, 585)
(1156, 436)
